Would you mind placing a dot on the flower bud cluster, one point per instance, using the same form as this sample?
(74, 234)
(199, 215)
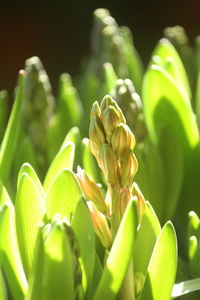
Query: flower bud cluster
(112, 143)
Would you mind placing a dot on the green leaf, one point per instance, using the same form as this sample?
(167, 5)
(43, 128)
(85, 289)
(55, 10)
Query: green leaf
(185, 287)
(25, 154)
(110, 77)
(26, 168)
(173, 166)
(10, 139)
(119, 257)
(4, 196)
(30, 212)
(63, 160)
(171, 62)
(69, 106)
(162, 98)
(132, 58)
(151, 176)
(3, 290)
(83, 228)
(52, 275)
(58, 266)
(9, 254)
(35, 281)
(147, 235)
(162, 267)
(3, 111)
(89, 162)
(63, 195)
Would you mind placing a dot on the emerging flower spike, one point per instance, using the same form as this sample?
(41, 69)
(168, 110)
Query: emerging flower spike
(112, 143)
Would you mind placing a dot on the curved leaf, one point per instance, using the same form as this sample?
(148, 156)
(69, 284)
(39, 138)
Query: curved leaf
(166, 106)
(119, 257)
(30, 212)
(9, 254)
(63, 160)
(63, 195)
(83, 228)
(162, 267)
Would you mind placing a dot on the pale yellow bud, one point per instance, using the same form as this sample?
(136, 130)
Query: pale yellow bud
(141, 201)
(122, 139)
(95, 111)
(110, 120)
(129, 167)
(109, 164)
(91, 190)
(107, 100)
(100, 225)
(96, 135)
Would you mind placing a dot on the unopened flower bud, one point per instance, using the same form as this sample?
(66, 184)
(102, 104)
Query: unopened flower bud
(129, 168)
(107, 100)
(100, 225)
(110, 119)
(91, 190)
(109, 164)
(122, 139)
(97, 137)
(95, 111)
(141, 201)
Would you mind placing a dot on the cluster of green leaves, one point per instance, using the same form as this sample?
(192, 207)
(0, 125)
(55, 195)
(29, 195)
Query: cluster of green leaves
(48, 245)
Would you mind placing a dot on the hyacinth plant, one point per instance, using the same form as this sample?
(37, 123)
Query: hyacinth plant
(89, 218)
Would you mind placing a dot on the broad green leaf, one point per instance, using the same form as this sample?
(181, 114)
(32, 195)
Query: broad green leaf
(162, 267)
(25, 154)
(185, 287)
(58, 266)
(70, 107)
(171, 62)
(89, 162)
(35, 281)
(63, 160)
(151, 176)
(63, 195)
(3, 290)
(28, 169)
(9, 254)
(83, 228)
(162, 98)
(132, 58)
(119, 257)
(73, 136)
(4, 196)
(147, 235)
(30, 212)
(98, 270)
(173, 166)
(10, 139)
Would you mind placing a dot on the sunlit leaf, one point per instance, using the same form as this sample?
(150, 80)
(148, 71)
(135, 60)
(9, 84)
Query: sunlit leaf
(119, 257)
(9, 254)
(162, 267)
(63, 195)
(83, 228)
(63, 160)
(10, 139)
(147, 235)
(30, 212)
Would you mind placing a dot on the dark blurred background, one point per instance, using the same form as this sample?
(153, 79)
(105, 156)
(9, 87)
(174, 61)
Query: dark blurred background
(59, 31)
